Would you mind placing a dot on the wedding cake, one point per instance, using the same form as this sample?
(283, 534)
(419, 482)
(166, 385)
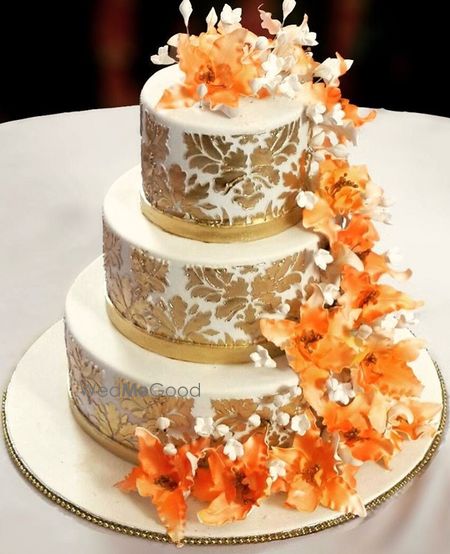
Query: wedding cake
(243, 345)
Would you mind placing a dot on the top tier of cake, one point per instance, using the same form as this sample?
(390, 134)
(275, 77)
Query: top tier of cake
(215, 178)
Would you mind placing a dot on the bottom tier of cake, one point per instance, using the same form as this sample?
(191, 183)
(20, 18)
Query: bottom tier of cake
(116, 385)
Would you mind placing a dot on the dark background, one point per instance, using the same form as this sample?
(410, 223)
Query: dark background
(81, 54)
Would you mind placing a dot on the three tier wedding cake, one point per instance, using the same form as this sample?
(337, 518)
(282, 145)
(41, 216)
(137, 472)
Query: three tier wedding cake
(245, 346)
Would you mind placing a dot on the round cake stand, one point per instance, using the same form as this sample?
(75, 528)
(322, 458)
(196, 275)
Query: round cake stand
(69, 468)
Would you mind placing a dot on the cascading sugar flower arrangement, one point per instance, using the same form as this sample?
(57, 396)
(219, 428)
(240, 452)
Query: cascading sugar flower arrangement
(358, 398)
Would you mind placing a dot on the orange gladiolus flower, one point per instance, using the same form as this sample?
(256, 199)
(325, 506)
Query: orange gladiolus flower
(314, 477)
(360, 234)
(361, 426)
(166, 480)
(321, 219)
(342, 185)
(385, 365)
(377, 265)
(372, 299)
(411, 419)
(351, 113)
(319, 338)
(216, 61)
(232, 488)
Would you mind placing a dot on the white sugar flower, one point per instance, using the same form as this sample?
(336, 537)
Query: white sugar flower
(211, 19)
(318, 138)
(330, 292)
(407, 319)
(322, 258)
(288, 7)
(394, 256)
(289, 86)
(261, 358)
(186, 11)
(283, 419)
(315, 112)
(339, 392)
(163, 423)
(271, 25)
(306, 199)
(364, 332)
(230, 16)
(273, 65)
(162, 57)
(277, 468)
(300, 424)
(233, 449)
(331, 69)
(254, 420)
(389, 322)
(296, 390)
(222, 430)
(262, 43)
(204, 426)
(202, 90)
(279, 400)
(337, 114)
(173, 40)
(305, 36)
(339, 151)
(170, 449)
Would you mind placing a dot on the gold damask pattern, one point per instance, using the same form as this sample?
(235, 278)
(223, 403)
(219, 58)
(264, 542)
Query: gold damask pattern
(236, 412)
(241, 168)
(116, 407)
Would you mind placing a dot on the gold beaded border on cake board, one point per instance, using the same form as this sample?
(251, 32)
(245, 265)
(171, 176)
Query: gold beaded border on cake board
(251, 539)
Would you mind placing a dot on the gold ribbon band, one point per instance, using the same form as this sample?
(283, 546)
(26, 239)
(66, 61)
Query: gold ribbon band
(183, 350)
(125, 452)
(213, 232)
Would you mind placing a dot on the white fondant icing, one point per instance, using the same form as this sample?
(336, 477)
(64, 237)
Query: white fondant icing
(253, 116)
(88, 323)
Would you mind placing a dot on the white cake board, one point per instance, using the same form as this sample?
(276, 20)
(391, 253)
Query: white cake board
(68, 467)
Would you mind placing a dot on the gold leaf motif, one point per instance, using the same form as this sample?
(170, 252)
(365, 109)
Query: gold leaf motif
(85, 377)
(150, 274)
(250, 324)
(174, 320)
(220, 286)
(146, 409)
(234, 413)
(206, 152)
(112, 251)
(276, 279)
(154, 142)
(112, 423)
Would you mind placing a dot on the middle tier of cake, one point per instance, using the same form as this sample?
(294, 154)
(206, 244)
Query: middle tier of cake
(206, 298)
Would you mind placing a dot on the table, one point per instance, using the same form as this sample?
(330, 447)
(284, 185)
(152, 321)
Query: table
(54, 172)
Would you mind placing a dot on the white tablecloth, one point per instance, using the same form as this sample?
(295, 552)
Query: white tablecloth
(54, 172)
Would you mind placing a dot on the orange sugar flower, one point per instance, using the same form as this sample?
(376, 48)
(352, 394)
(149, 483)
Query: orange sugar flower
(372, 299)
(386, 366)
(411, 419)
(319, 338)
(233, 488)
(321, 219)
(342, 185)
(360, 234)
(313, 477)
(351, 113)
(216, 61)
(361, 426)
(166, 479)
(377, 265)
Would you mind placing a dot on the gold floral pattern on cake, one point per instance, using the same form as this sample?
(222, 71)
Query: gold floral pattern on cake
(112, 249)
(149, 273)
(241, 168)
(146, 409)
(84, 376)
(175, 319)
(113, 423)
